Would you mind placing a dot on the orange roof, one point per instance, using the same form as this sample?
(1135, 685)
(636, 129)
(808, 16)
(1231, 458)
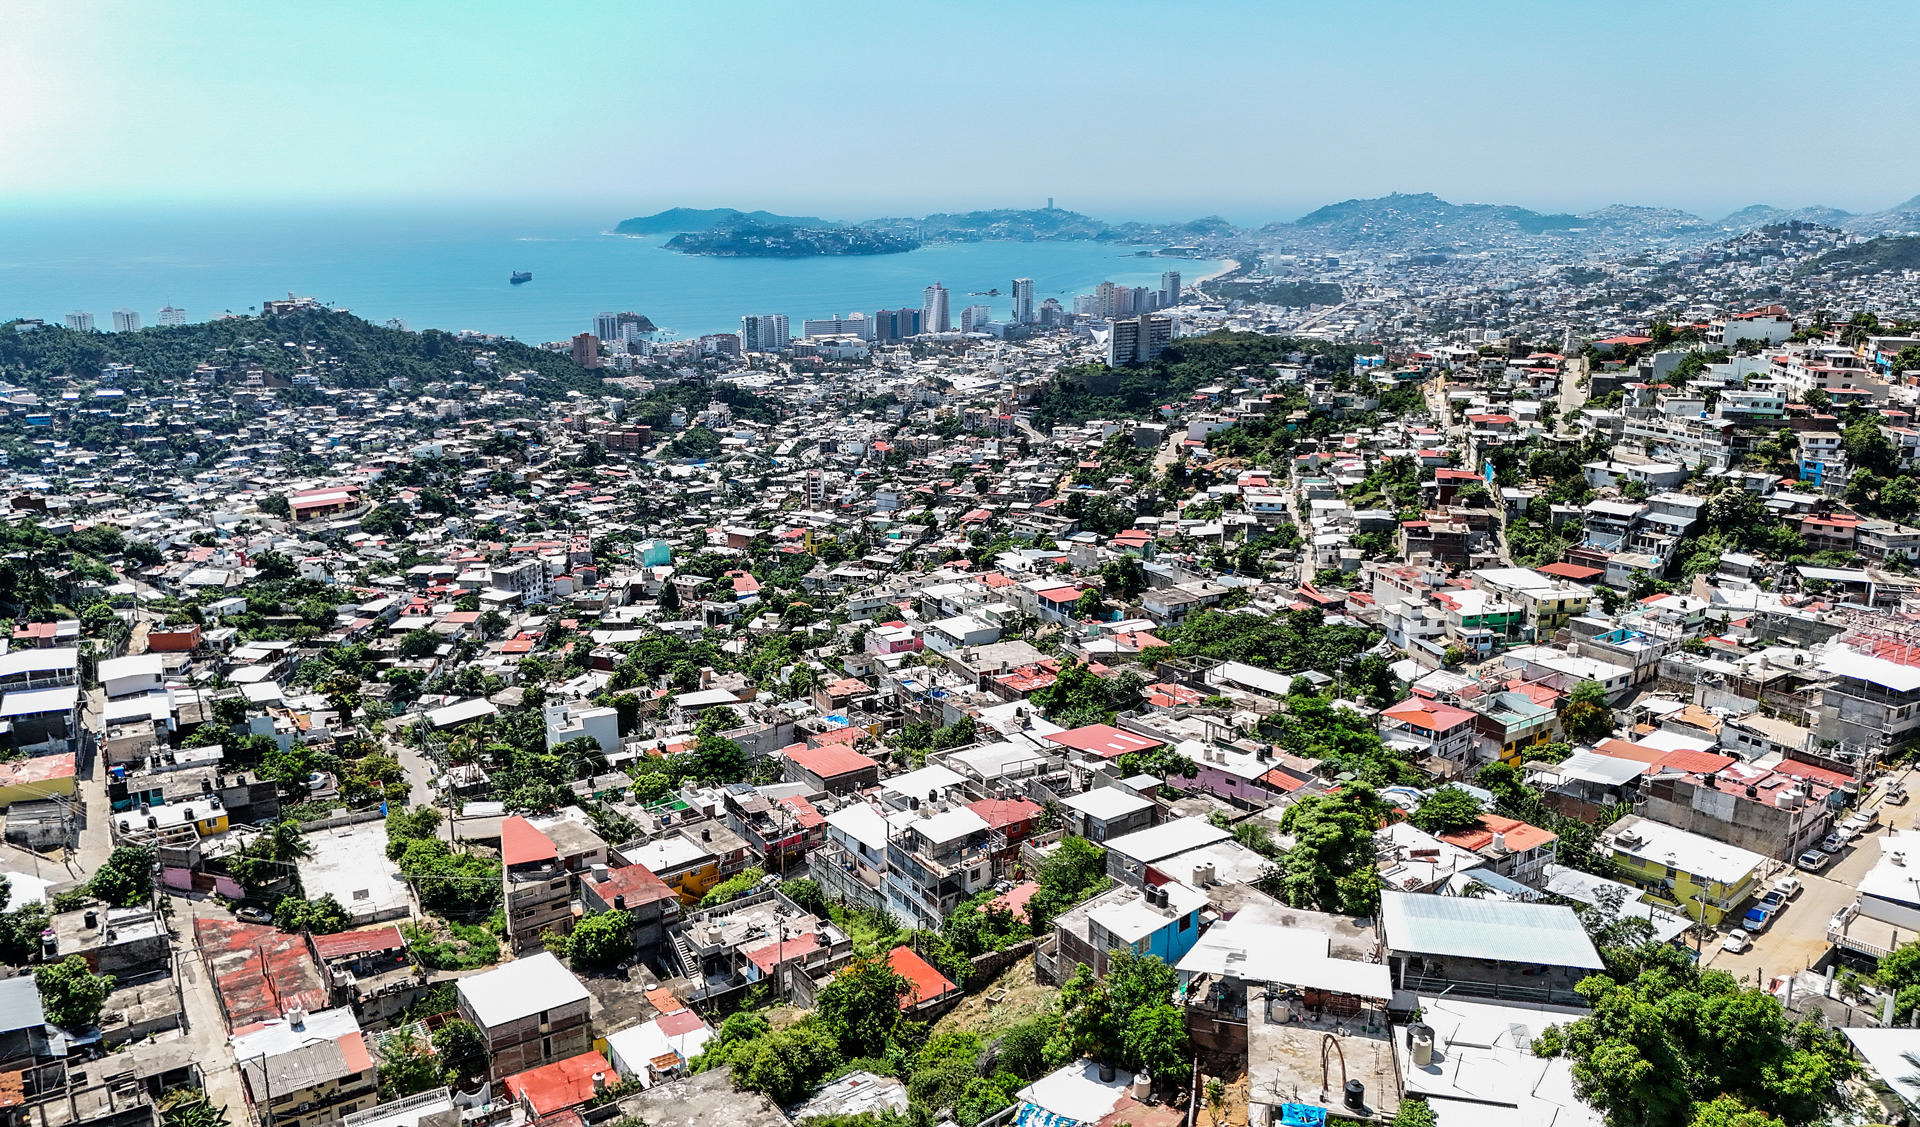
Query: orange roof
(560, 1085)
(522, 844)
(1519, 836)
(1429, 714)
(926, 983)
(663, 999)
(831, 760)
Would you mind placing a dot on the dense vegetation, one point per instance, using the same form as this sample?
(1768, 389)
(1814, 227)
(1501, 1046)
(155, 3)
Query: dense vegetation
(356, 354)
(1137, 391)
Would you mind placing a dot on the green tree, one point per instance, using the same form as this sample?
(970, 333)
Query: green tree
(1666, 1045)
(860, 1006)
(462, 1049)
(602, 939)
(1586, 715)
(1076, 871)
(1331, 864)
(71, 994)
(407, 1066)
(787, 1064)
(190, 1107)
(125, 878)
(1126, 1019)
(418, 644)
(806, 895)
(321, 917)
(1449, 809)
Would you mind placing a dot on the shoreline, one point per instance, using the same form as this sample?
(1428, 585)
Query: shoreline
(1230, 265)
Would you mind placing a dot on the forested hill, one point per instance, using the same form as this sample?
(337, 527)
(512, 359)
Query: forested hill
(1136, 391)
(343, 350)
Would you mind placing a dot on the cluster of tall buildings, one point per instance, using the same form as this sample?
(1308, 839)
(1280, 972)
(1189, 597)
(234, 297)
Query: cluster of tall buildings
(768, 332)
(620, 326)
(1109, 300)
(124, 320)
(764, 332)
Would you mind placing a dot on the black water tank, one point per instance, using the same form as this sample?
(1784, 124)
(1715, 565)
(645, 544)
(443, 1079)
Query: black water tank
(1106, 1074)
(93, 919)
(1356, 1099)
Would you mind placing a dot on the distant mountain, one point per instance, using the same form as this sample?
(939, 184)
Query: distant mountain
(1763, 215)
(1425, 220)
(1900, 219)
(1009, 224)
(1869, 256)
(676, 220)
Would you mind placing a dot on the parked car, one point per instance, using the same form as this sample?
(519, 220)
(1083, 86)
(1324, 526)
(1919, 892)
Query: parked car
(1860, 823)
(1757, 919)
(1736, 941)
(1834, 842)
(253, 915)
(1788, 887)
(1812, 860)
(1773, 900)
(1897, 796)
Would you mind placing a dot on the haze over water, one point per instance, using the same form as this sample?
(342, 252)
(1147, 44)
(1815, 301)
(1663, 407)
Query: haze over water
(450, 271)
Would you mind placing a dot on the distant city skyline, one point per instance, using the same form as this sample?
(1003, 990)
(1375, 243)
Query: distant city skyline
(1277, 108)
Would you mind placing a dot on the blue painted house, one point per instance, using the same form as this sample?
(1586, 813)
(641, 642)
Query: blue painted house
(1161, 920)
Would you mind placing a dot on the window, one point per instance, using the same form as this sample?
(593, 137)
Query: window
(1186, 922)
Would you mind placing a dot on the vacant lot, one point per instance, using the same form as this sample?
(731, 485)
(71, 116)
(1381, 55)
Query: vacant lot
(1006, 1001)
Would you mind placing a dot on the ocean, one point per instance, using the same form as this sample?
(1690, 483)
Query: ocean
(449, 271)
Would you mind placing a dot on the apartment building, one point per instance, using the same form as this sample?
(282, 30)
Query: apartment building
(532, 1011)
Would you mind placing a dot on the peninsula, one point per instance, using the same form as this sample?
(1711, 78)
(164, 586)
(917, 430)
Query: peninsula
(746, 239)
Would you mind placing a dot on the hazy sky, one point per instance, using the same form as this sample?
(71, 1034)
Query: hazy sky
(1255, 110)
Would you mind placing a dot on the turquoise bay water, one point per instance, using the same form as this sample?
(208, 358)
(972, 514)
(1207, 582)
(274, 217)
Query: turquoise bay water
(450, 271)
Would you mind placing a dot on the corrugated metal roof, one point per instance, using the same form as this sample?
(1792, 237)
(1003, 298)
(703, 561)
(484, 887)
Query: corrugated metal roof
(1502, 930)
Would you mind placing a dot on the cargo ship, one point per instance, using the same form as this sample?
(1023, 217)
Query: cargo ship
(519, 276)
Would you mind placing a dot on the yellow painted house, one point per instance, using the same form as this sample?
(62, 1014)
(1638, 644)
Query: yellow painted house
(36, 779)
(1705, 878)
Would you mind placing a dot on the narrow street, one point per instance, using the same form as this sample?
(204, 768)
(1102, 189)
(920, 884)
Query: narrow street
(206, 1028)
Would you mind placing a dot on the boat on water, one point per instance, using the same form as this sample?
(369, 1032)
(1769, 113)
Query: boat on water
(519, 276)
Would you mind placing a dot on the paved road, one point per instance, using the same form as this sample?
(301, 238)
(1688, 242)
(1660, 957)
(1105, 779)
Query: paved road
(206, 1029)
(1798, 938)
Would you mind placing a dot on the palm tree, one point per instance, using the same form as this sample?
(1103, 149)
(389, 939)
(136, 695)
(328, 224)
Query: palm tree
(284, 841)
(189, 1107)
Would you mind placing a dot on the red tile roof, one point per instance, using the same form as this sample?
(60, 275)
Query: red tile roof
(1015, 899)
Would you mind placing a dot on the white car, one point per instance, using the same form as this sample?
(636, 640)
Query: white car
(1736, 941)
(1788, 887)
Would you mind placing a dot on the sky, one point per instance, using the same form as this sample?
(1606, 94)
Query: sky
(1255, 111)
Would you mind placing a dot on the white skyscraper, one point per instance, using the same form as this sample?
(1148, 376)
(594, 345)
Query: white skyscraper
(1023, 301)
(1170, 289)
(606, 326)
(974, 318)
(171, 315)
(80, 322)
(764, 332)
(934, 315)
(126, 321)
